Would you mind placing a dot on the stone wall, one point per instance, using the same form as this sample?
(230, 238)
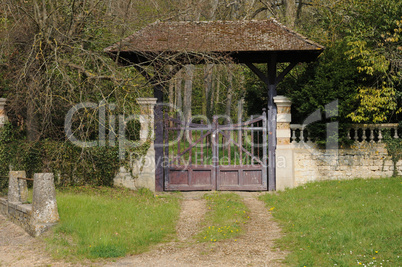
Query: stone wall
(18, 213)
(362, 160)
(299, 160)
(37, 217)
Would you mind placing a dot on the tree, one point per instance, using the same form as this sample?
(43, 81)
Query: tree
(372, 36)
(52, 57)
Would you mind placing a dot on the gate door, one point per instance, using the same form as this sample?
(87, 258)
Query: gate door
(242, 153)
(215, 157)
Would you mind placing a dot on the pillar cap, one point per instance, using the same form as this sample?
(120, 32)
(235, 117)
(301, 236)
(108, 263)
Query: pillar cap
(281, 100)
(3, 101)
(146, 101)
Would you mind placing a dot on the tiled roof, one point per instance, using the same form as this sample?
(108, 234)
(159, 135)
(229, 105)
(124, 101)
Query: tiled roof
(215, 37)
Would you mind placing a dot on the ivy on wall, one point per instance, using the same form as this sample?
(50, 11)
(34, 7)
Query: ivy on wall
(70, 164)
(394, 149)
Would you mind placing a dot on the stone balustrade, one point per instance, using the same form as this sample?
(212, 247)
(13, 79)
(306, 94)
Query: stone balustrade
(357, 132)
(372, 132)
(299, 134)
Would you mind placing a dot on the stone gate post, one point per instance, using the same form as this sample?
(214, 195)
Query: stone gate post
(3, 115)
(144, 168)
(284, 149)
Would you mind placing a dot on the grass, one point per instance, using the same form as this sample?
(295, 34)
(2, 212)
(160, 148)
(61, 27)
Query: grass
(225, 217)
(107, 222)
(341, 223)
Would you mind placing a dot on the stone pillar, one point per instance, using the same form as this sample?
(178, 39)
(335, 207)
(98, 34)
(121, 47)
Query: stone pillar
(284, 150)
(17, 189)
(284, 118)
(147, 117)
(3, 115)
(144, 167)
(44, 205)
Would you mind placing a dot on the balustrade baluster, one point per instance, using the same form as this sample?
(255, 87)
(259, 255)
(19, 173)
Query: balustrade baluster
(379, 135)
(371, 135)
(364, 135)
(356, 138)
(293, 135)
(396, 132)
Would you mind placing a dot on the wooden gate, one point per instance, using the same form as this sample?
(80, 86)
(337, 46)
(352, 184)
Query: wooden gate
(215, 156)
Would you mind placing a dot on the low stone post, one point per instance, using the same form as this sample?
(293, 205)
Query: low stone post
(23, 187)
(3, 115)
(284, 149)
(44, 205)
(17, 188)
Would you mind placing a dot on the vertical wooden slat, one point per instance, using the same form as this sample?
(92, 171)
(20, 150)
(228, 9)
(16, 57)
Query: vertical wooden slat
(215, 154)
(229, 145)
(252, 143)
(258, 142)
(272, 112)
(178, 149)
(166, 148)
(190, 153)
(202, 148)
(239, 141)
(158, 142)
(264, 148)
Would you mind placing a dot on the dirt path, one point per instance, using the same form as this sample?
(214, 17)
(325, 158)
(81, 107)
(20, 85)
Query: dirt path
(17, 248)
(253, 248)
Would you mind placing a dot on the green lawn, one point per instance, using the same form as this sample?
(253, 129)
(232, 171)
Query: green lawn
(341, 223)
(107, 222)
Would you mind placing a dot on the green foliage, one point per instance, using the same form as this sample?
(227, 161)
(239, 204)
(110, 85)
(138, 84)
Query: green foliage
(134, 222)
(6, 138)
(394, 149)
(372, 34)
(225, 217)
(71, 164)
(311, 87)
(376, 104)
(343, 223)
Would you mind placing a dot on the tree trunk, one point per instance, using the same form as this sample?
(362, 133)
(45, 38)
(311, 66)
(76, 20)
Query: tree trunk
(32, 124)
(290, 13)
(171, 92)
(298, 12)
(215, 101)
(178, 102)
(214, 7)
(229, 95)
(208, 92)
(188, 89)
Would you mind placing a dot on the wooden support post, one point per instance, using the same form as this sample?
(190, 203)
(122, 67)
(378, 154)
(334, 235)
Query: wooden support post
(158, 112)
(272, 111)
